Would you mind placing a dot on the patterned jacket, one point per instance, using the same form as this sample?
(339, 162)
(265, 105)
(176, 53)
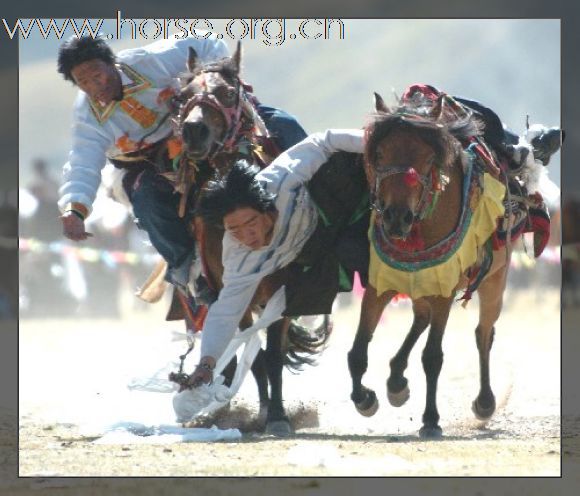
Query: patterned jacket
(148, 75)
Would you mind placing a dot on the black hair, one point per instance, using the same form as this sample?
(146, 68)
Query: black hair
(239, 188)
(75, 51)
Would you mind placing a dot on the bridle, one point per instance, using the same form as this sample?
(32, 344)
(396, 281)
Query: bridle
(428, 183)
(431, 183)
(232, 115)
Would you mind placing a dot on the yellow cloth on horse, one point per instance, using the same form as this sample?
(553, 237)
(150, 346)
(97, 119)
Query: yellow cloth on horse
(442, 279)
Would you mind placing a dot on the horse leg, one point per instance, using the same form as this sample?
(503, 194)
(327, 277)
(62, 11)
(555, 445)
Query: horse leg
(277, 422)
(229, 371)
(259, 370)
(365, 399)
(490, 303)
(397, 384)
(260, 373)
(432, 359)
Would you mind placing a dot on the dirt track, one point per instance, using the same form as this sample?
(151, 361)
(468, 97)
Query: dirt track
(523, 438)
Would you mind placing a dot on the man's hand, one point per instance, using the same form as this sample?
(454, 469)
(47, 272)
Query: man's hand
(203, 374)
(73, 227)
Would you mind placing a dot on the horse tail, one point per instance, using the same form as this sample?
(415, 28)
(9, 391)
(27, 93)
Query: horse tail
(305, 344)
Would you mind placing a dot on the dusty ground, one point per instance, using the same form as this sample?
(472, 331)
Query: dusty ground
(61, 366)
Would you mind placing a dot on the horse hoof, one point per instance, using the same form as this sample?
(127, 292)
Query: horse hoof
(263, 413)
(431, 432)
(369, 406)
(400, 398)
(480, 412)
(279, 428)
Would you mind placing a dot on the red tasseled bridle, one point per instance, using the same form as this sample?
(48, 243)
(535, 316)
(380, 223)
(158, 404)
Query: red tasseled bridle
(411, 178)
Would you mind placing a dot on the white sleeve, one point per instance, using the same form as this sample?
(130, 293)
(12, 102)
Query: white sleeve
(299, 163)
(212, 49)
(82, 173)
(172, 54)
(225, 314)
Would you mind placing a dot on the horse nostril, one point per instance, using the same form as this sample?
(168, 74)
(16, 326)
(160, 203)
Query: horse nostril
(194, 132)
(388, 215)
(408, 217)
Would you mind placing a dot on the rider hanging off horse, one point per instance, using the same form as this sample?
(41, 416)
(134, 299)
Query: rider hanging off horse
(112, 123)
(242, 204)
(121, 115)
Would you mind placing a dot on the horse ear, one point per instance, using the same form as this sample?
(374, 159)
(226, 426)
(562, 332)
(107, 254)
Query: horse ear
(438, 111)
(380, 105)
(237, 56)
(191, 59)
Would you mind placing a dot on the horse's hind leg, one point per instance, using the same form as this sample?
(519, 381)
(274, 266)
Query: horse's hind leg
(432, 359)
(490, 303)
(397, 384)
(365, 399)
(260, 373)
(277, 422)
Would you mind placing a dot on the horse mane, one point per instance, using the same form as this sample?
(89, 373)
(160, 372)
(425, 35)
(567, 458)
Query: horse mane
(226, 67)
(443, 134)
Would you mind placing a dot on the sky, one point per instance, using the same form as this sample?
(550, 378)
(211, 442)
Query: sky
(512, 66)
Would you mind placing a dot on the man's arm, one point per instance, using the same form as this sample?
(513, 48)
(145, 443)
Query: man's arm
(172, 54)
(82, 173)
(225, 314)
(298, 164)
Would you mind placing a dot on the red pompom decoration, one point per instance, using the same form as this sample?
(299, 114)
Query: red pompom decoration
(411, 178)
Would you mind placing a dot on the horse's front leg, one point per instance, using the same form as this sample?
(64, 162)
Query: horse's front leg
(432, 359)
(260, 373)
(397, 384)
(365, 399)
(277, 422)
(490, 302)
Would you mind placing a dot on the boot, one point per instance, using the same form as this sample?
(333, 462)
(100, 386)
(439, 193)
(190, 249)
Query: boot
(545, 141)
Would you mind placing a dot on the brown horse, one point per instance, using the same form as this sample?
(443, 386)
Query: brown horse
(218, 124)
(433, 217)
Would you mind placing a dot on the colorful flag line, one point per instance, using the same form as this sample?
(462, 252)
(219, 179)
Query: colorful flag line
(85, 254)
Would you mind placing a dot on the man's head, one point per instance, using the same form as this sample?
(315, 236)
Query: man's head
(90, 64)
(240, 204)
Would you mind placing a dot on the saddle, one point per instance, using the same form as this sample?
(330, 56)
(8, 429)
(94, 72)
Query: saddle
(524, 212)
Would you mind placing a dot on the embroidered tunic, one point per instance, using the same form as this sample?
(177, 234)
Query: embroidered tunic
(297, 218)
(148, 75)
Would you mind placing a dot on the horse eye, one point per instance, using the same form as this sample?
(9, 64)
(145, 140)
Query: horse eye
(226, 95)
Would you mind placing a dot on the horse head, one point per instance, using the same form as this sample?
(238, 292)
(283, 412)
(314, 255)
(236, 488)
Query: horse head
(210, 105)
(409, 152)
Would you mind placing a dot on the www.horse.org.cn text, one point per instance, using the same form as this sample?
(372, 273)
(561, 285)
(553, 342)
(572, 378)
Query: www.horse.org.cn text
(271, 32)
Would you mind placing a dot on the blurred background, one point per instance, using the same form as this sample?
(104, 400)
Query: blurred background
(512, 66)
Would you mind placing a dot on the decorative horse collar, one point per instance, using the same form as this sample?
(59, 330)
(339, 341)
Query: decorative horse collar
(400, 257)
